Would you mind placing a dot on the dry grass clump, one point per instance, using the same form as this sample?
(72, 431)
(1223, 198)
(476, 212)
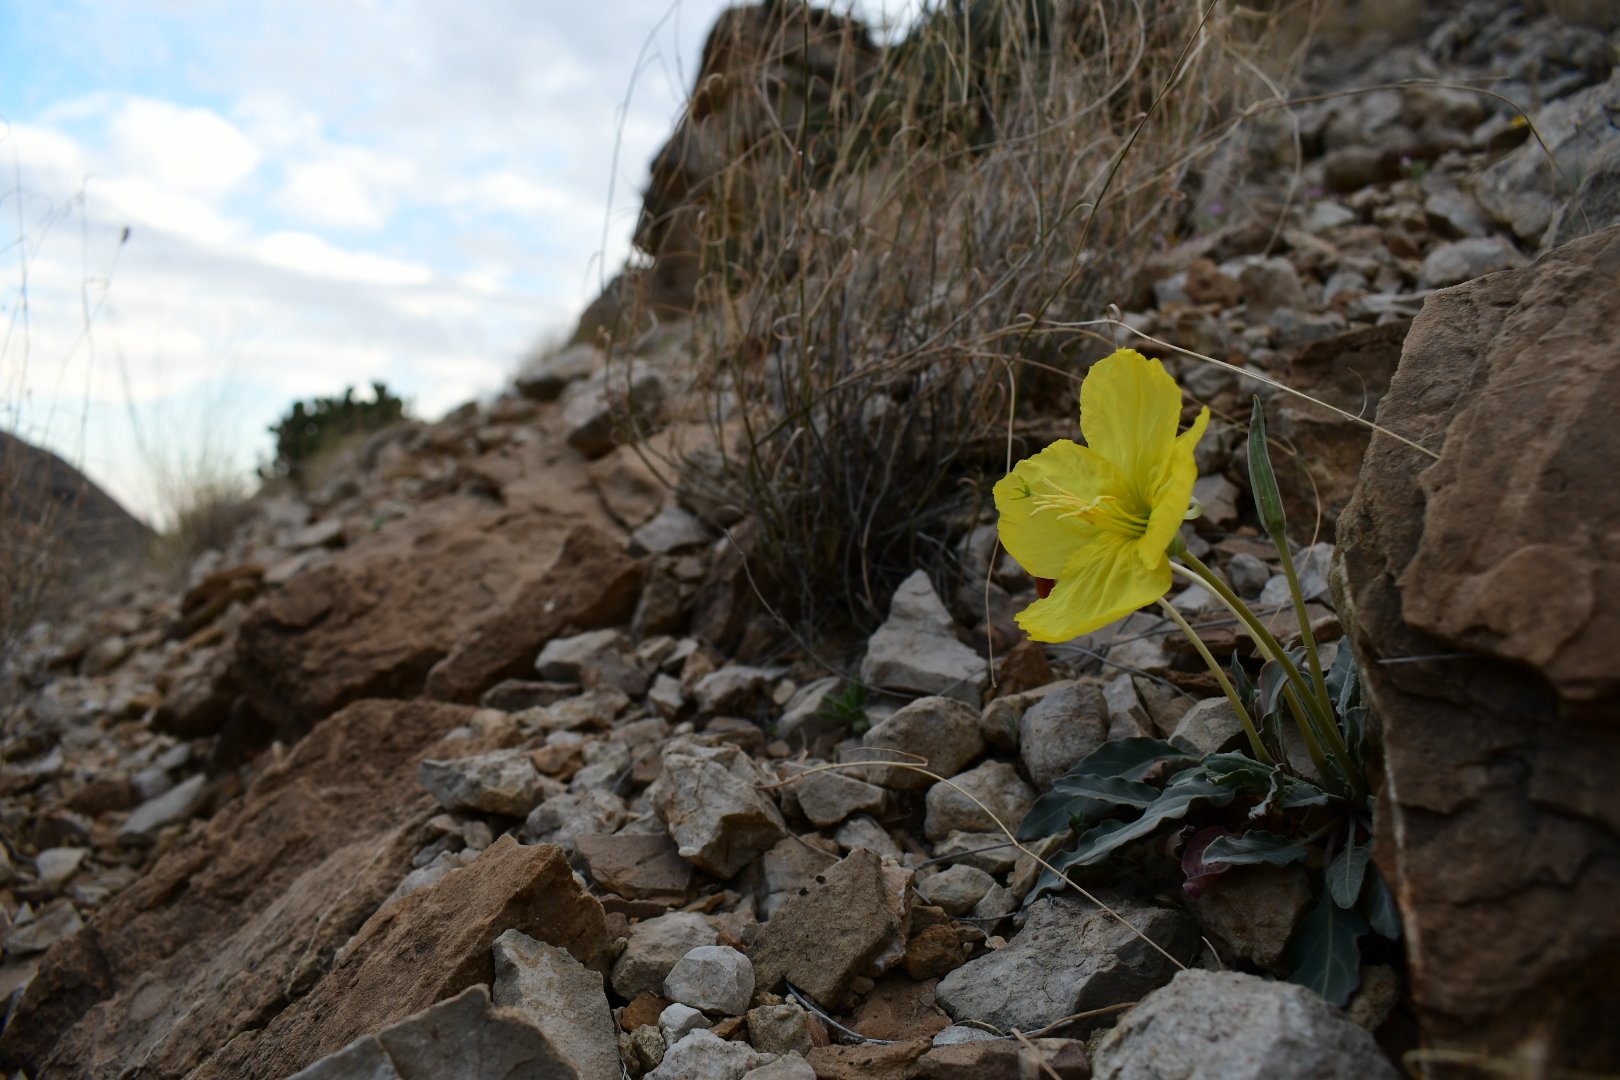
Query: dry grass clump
(872, 235)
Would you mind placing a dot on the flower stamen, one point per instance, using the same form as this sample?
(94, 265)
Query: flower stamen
(1103, 511)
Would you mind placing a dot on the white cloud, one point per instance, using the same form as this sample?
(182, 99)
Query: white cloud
(193, 149)
(308, 254)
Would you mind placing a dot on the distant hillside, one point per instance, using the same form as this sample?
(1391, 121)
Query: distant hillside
(42, 496)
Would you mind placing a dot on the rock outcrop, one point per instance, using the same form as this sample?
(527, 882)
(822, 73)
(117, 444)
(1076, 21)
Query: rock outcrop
(1484, 595)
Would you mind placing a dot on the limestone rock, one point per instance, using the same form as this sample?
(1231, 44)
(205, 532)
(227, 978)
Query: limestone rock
(562, 997)
(1225, 1025)
(1497, 550)
(942, 732)
(599, 412)
(637, 866)
(654, 947)
(464, 1036)
(1210, 726)
(996, 784)
(1061, 729)
(916, 651)
(714, 978)
(827, 798)
(826, 937)
(1070, 957)
(499, 782)
(703, 1055)
(717, 816)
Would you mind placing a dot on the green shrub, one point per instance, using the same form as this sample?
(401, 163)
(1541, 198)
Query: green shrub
(312, 427)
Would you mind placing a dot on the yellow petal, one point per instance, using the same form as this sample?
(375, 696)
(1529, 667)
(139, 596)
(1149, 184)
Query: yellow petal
(1042, 541)
(1104, 580)
(1173, 494)
(1129, 409)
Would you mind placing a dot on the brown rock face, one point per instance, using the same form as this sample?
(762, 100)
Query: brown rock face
(425, 947)
(245, 913)
(373, 622)
(591, 583)
(1500, 829)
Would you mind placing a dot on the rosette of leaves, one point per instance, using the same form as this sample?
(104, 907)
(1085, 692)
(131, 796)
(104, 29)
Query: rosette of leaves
(1137, 797)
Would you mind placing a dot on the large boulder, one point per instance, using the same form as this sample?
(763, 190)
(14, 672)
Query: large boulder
(1492, 574)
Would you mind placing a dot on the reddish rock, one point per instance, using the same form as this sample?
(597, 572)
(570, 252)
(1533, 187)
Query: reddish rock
(899, 1008)
(642, 866)
(868, 1061)
(373, 621)
(1493, 575)
(245, 911)
(421, 949)
(591, 583)
(1006, 1059)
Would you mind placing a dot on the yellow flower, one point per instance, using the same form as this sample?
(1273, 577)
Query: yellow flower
(1100, 518)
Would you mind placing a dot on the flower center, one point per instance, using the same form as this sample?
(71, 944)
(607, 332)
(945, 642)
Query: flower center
(1103, 511)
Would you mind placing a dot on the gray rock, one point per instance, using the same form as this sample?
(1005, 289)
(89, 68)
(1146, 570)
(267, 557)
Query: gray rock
(1524, 190)
(991, 852)
(545, 378)
(54, 922)
(173, 806)
(55, 865)
(674, 529)
(1225, 1025)
(1311, 566)
(835, 929)
(1247, 574)
(1291, 328)
(714, 978)
(941, 731)
(1070, 957)
(563, 819)
(564, 999)
(1271, 284)
(779, 1029)
(703, 1055)
(734, 690)
(715, 812)
(1455, 215)
(827, 798)
(1251, 911)
(654, 947)
(1061, 729)
(789, 868)
(804, 718)
(788, 1067)
(464, 1036)
(957, 1034)
(1595, 204)
(1210, 726)
(1127, 716)
(563, 659)
(1219, 498)
(1325, 216)
(957, 889)
(599, 413)
(499, 782)
(996, 784)
(1463, 260)
(916, 651)
(678, 1021)
(863, 832)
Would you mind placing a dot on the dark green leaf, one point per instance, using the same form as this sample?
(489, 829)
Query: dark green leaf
(1273, 681)
(1353, 722)
(1342, 678)
(1379, 905)
(1262, 481)
(1296, 793)
(1255, 847)
(1077, 801)
(1240, 681)
(1345, 872)
(1179, 796)
(1239, 771)
(1325, 952)
(1133, 759)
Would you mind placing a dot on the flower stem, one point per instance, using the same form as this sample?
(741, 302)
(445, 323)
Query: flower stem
(1280, 542)
(1249, 729)
(1327, 730)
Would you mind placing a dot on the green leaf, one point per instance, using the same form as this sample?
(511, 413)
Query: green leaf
(1179, 796)
(1133, 758)
(1345, 872)
(1325, 952)
(1343, 680)
(1239, 771)
(1379, 905)
(1254, 847)
(1262, 481)
(1077, 801)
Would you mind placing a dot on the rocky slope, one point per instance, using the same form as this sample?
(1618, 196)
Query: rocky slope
(485, 759)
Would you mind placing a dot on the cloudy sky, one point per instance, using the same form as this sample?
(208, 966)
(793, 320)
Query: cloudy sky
(316, 193)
